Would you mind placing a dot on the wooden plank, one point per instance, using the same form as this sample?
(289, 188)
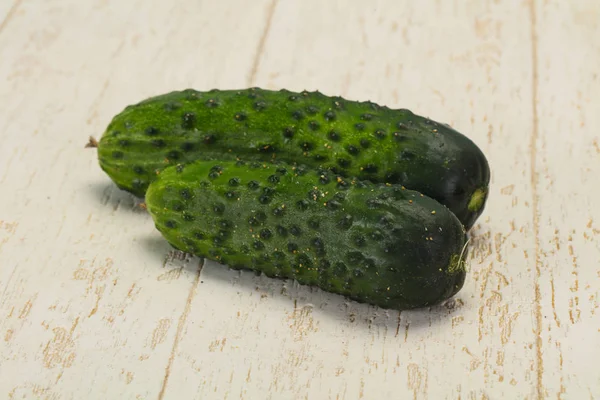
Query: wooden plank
(91, 302)
(465, 63)
(94, 304)
(567, 165)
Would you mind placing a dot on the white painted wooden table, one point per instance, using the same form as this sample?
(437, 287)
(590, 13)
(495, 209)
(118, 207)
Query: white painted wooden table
(95, 305)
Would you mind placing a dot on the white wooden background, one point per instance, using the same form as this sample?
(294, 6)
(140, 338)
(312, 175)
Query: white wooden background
(95, 305)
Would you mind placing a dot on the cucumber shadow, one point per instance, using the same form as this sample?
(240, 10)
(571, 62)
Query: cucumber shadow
(109, 195)
(294, 297)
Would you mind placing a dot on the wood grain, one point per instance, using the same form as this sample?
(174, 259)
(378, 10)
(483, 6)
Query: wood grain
(95, 304)
(566, 165)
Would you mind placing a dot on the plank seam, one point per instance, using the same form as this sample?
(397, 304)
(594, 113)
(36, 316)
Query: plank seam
(261, 43)
(535, 203)
(10, 15)
(179, 333)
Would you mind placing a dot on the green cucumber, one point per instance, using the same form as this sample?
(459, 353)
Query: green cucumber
(380, 244)
(360, 139)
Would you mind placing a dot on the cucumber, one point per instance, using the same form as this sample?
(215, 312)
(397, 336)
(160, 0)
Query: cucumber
(380, 244)
(360, 139)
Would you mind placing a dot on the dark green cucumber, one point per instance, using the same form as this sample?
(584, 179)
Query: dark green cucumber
(351, 138)
(380, 244)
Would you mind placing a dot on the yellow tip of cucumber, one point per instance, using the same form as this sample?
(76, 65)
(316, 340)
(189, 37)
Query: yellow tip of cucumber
(477, 199)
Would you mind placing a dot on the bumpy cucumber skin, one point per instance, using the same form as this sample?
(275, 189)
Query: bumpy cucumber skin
(374, 243)
(360, 139)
